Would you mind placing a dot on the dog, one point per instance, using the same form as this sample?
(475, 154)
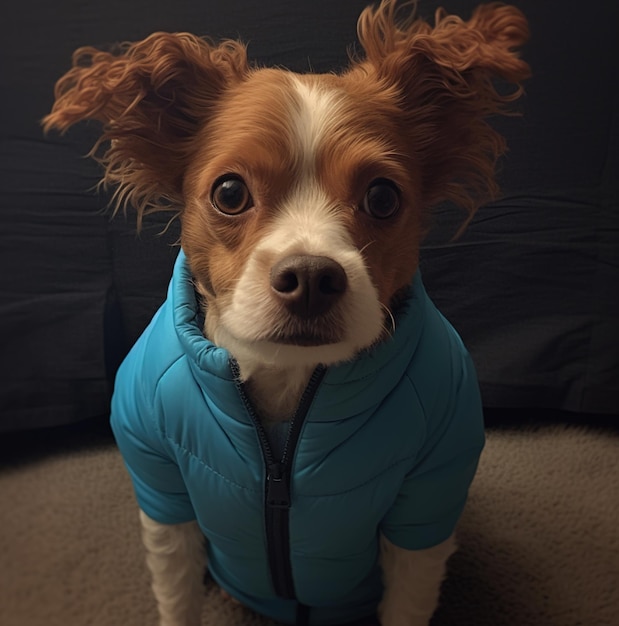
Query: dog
(298, 404)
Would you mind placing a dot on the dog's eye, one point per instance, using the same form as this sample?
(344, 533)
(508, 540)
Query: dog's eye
(382, 199)
(230, 195)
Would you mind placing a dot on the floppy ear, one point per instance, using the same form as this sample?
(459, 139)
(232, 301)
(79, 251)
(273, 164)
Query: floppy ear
(151, 98)
(443, 78)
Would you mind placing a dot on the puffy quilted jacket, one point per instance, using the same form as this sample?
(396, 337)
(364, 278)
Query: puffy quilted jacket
(387, 443)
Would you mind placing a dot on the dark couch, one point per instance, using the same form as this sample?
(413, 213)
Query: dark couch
(533, 286)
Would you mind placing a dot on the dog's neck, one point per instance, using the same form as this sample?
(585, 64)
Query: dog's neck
(275, 392)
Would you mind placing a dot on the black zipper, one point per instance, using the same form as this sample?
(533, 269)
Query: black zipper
(277, 499)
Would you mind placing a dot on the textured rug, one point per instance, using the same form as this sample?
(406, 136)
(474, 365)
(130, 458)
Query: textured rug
(539, 538)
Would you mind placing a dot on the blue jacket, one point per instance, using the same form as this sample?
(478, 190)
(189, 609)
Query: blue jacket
(389, 444)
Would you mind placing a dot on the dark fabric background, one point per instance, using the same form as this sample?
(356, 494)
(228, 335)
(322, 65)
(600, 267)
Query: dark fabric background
(533, 286)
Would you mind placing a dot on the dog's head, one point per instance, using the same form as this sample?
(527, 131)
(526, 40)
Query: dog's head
(303, 198)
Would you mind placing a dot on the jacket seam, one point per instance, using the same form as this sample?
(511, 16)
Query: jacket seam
(158, 415)
(191, 454)
(363, 484)
(422, 404)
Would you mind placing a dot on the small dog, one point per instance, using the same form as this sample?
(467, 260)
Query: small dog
(298, 403)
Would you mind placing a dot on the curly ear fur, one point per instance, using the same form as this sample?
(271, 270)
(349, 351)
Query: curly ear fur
(443, 75)
(151, 97)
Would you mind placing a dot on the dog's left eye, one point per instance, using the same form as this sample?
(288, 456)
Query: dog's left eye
(231, 196)
(382, 199)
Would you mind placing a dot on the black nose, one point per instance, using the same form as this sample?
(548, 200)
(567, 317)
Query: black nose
(308, 285)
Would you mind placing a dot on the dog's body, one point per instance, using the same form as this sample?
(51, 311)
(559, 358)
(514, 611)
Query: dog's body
(303, 200)
(381, 448)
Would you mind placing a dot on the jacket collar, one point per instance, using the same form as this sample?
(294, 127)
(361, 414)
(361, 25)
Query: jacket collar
(348, 388)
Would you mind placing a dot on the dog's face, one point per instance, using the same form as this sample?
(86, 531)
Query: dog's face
(302, 216)
(303, 198)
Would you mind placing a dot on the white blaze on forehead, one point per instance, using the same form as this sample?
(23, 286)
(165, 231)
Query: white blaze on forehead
(308, 220)
(313, 119)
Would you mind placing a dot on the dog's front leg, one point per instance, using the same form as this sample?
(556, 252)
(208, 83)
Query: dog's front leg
(176, 558)
(412, 582)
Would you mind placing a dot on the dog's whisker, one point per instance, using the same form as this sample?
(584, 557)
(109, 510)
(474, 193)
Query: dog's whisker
(389, 317)
(367, 245)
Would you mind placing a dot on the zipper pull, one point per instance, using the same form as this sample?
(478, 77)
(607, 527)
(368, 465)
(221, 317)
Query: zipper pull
(278, 493)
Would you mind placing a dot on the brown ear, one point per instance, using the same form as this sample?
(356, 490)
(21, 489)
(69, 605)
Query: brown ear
(443, 76)
(151, 98)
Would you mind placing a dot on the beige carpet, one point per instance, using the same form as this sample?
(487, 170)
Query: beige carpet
(539, 539)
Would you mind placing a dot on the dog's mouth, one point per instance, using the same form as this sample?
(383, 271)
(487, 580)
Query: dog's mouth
(305, 340)
(306, 333)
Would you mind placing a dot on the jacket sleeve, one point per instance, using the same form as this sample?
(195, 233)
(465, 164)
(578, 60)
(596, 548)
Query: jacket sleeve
(157, 481)
(434, 492)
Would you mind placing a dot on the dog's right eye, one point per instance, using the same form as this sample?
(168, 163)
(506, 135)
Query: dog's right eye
(230, 195)
(382, 199)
